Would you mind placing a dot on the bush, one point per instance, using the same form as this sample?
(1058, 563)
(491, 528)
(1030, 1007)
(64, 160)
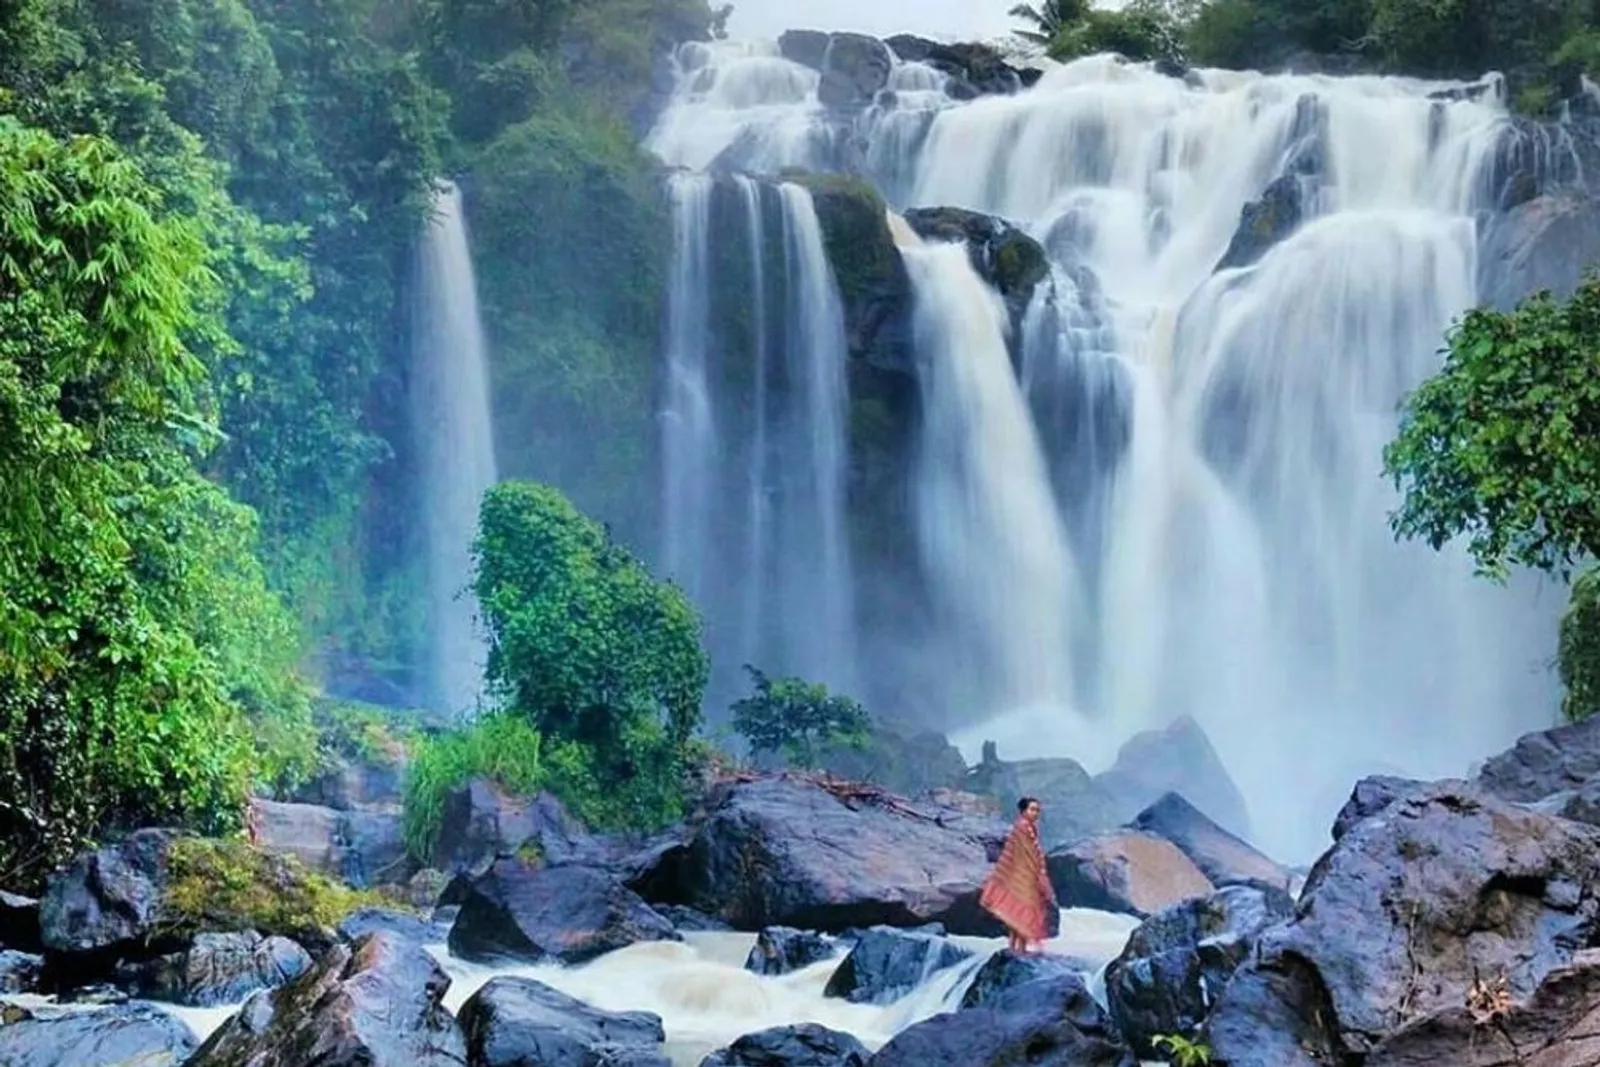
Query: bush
(1579, 655)
(503, 749)
(798, 719)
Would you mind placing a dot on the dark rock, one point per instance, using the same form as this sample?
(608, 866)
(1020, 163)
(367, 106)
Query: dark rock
(1178, 962)
(374, 849)
(217, 969)
(1073, 806)
(781, 949)
(19, 971)
(802, 1045)
(402, 924)
(376, 1004)
(1006, 971)
(1003, 255)
(1370, 796)
(482, 822)
(131, 1035)
(1579, 805)
(1405, 917)
(886, 964)
(1178, 759)
(1125, 871)
(1545, 243)
(809, 48)
(519, 912)
(517, 1022)
(854, 70)
(873, 283)
(109, 898)
(786, 851)
(974, 69)
(688, 919)
(1221, 857)
(1265, 222)
(359, 847)
(1544, 763)
(903, 759)
(19, 923)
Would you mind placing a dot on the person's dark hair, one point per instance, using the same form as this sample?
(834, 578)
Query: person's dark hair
(1022, 805)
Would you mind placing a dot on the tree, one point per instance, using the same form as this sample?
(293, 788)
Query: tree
(798, 719)
(1503, 444)
(1049, 18)
(585, 644)
(1579, 652)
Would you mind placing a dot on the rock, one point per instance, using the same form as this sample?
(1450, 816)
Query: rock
(781, 949)
(517, 1022)
(1072, 805)
(1178, 962)
(809, 48)
(886, 964)
(1404, 917)
(1049, 1023)
(130, 1035)
(1544, 763)
(973, 69)
(374, 849)
(1125, 871)
(518, 912)
(425, 888)
(216, 969)
(1004, 256)
(402, 924)
(1370, 796)
(854, 67)
(1265, 222)
(356, 784)
(19, 923)
(359, 847)
(802, 1045)
(482, 822)
(1559, 1026)
(903, 759)
(1006, 971)
(19, 971)
(1579, 805)
(786, 851)
(689, 919)
(108, 898)
(1178, 759)
(1545, 243)
(376, 1004)
(1221, 857)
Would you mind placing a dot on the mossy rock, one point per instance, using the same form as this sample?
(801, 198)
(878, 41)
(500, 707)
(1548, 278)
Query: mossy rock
(1003, 255)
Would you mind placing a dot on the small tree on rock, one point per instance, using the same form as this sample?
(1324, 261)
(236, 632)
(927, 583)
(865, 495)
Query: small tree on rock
(798, 720)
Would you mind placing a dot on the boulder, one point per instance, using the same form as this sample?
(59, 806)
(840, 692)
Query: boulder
(19, 923)
(1177, 962)
(1178, 759)
(1579, 805)
(691, 920)
(19, 971)
(1370, 796)
(1072, 805)
(1412, 913)
(515, 911)
(1546, 242)
(403, 924)
(1125, 871)
(1007, 970)
(1049, 1023)
(109, 898)
(482, 822)
(781, 949)
(1221, 857)
(135, 1035)
(854, 67)
(789, 850)
(902, 758)
(216, 969)
(359, 847)
(1004, 256)
(802, 1045)
(1544, 763)
(517, 1022)
(1266, 221)
(378, 1003)
(973, 69)
(885, 964)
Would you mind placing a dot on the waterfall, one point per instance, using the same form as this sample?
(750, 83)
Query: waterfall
(1211, 400)
(455, 446)
(754, 432)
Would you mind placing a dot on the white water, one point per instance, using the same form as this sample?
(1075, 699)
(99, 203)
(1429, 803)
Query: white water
(754, 472)
(1214, 438)
(455, 443)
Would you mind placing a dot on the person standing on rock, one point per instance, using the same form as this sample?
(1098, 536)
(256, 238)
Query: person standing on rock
(1018, 891)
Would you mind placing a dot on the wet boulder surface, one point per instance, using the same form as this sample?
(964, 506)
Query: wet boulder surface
(518, 1022)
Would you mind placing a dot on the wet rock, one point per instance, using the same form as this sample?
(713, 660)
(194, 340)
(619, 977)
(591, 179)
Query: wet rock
(781, 949)
(885, 964)
(1545, 243)
(902, 758)
(1221, 857)
(1073, 806)
(802, 1045)
(573, 914)
(402, 924)
(374, 849)
(482, 822)
(109, 898)
(1004, 256)
(1579, 805)
(517, 1022)
(1127, 872)
(135, 1035)
(1370, 796)
(376, 1004)
(787, 851)
(854, 67)
(1544, 763)
(1007, 970)
(19, 923)
(1178, 962)
(217, 969)
(359, 847)
(809, 48)
(1266, 221)
(1405, 917)
(691, 920)
(19, 971)
(1178, 759)
(974, 69)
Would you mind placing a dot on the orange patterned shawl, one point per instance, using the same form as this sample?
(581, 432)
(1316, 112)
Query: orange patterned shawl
(1018, 892)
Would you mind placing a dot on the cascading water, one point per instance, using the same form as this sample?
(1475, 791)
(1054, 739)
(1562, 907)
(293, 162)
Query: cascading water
(455, 445)
(754, 435)
(1212, 399)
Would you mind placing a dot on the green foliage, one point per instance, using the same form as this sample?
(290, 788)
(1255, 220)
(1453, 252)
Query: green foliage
(1183, 1052)
(798, 719)
(351, 731)
(1579, 654)
(1503, 444)
(589, 648)
(137, 635)
(504, 749)
(228, 885)
(1049, 19)
(1143, 31)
